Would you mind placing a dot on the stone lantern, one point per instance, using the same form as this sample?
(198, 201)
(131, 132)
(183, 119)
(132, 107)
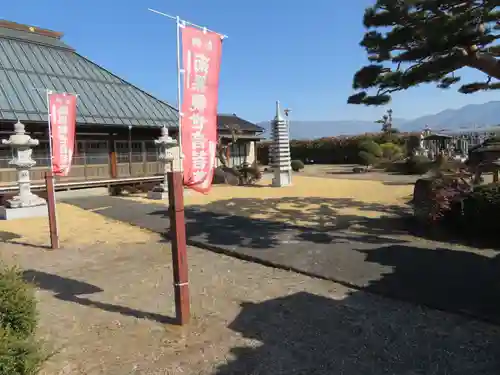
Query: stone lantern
(25, 204)
(166, 157)
(486, 158)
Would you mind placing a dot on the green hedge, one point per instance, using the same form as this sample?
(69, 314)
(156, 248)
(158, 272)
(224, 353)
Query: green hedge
(331, 150)
(20, 352)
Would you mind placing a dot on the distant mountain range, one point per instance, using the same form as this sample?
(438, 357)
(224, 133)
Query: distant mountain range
(470, 116)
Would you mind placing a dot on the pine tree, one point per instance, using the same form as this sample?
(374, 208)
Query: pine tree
(386, 122)
(410, 42)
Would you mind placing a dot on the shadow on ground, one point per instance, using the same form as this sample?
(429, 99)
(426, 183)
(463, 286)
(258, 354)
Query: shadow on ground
(355, 251)
(292, 220)
(305, 333)
(456, 281)
(446, 278)
(71, 290)
(320, 220)
(10, 237)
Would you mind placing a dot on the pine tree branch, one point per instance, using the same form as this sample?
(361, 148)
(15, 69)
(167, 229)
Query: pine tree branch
(435, 38)
(486, 63)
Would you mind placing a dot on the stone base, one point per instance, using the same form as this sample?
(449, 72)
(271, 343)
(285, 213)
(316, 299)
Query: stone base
(23, 212)
(283, 178)
(158, 195)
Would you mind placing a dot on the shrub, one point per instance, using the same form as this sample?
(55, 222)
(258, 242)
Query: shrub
(371, 147)
(417, 165)
(412, 145)
(390, 151)
(481, 208)
(20, 353)
(435, 199)
(249, 174)
(367, 158)
(297, 165)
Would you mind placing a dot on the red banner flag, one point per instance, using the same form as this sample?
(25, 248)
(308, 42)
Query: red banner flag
(62, 112)
(201, 52)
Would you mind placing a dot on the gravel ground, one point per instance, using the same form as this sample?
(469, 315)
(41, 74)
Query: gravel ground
(105, 309)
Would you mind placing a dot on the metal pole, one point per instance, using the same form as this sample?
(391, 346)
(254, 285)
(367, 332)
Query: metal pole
(180, 23)
(179, 97)
(223, 36)
(130, 150)
(179, 249)
(51, 195)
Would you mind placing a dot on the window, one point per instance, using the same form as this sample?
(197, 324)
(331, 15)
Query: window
(41, 154)
(5, 157)
(79, 155)
(96, 152)
(238, 153)
(122, 153)
(137, 152)
(151, 151)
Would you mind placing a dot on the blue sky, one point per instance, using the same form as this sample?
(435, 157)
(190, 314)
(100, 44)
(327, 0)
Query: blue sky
(303, 53)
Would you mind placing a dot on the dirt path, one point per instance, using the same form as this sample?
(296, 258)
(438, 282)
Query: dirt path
(106, 309)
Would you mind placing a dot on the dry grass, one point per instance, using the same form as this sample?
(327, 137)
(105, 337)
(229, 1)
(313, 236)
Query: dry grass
(77, 228)
(82, 228)
(364, 192)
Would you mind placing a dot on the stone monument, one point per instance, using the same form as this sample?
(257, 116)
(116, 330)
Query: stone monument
(166, 157)
(281, 162)
(25, 204)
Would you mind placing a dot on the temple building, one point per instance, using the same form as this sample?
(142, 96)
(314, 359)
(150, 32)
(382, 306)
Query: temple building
(117, 122)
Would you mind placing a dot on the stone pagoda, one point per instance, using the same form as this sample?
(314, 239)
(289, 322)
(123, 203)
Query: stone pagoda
(280, 150)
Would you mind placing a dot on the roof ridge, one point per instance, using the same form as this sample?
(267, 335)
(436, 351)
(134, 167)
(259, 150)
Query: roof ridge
(30, 29)
(125, 81)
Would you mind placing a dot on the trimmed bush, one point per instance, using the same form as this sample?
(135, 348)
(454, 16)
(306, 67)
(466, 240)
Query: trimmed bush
(297, 165)
(391, 151)
(20, 353)
(417, 165)
(371, 147)
(367, 158)
(481, 208)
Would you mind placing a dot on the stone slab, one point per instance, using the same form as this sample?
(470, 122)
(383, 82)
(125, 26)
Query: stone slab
(23, 212)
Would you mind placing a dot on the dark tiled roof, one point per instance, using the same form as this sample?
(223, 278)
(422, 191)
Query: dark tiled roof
(228, 120)
(31, 62)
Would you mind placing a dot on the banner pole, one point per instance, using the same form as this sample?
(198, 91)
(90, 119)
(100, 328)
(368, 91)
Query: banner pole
(179, 249)
(223, 36)
(51, 189)
(179, 97)
(180, 71)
